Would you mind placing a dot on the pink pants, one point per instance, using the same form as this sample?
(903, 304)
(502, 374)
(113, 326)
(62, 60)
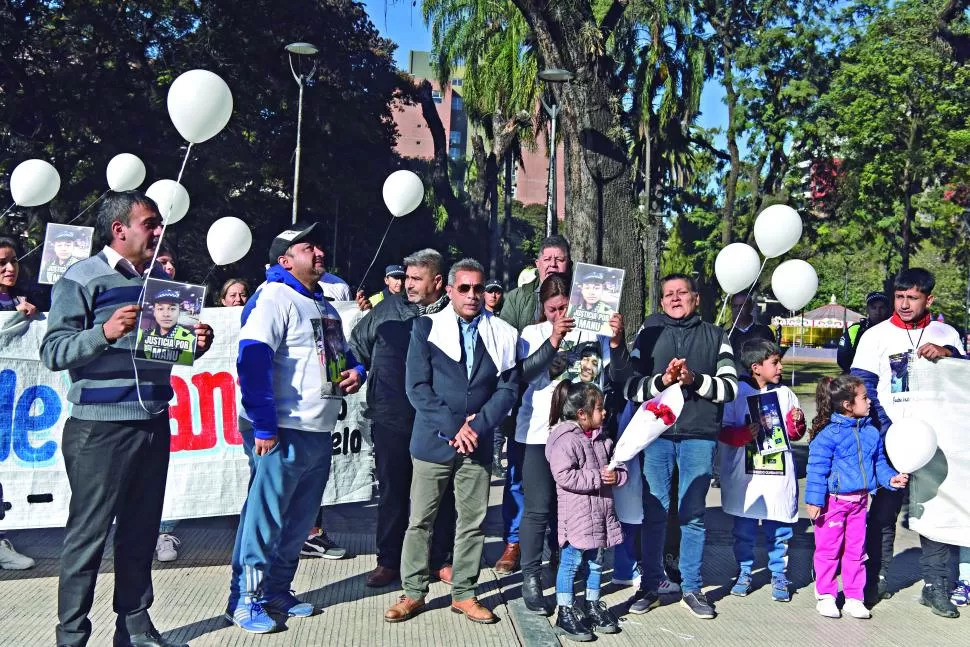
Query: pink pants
(840, 535)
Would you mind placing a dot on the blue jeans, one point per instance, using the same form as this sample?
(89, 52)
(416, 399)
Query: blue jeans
(777, 536)
(570, 559)
(513, 499)
(694, 459)
(286, 488)
(625, 560)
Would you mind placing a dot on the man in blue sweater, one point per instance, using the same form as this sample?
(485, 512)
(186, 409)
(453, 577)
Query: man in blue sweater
(293, 373)
(116, 442)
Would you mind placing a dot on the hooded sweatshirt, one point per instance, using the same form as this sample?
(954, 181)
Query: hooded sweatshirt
(291, 353)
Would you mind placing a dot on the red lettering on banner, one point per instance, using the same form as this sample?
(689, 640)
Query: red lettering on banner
(186, 437)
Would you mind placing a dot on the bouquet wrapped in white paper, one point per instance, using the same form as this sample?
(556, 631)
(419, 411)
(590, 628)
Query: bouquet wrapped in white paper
(651, 419)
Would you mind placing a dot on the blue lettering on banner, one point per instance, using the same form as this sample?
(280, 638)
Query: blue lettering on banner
(17, 423)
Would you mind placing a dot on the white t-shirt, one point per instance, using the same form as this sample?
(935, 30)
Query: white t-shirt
(310, 349)
(532, 423)
(886, 350)
(755, 486)
(335, 288)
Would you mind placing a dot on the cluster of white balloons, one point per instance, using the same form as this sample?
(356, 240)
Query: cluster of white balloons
(776, 230)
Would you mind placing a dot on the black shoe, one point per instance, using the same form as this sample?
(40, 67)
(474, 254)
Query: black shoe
(936, 596)
(716, 483)
(569, 623)
(600, 619)
(643, 601)
(696, 602)
(151, 638)
(532, 596)
(882, 588)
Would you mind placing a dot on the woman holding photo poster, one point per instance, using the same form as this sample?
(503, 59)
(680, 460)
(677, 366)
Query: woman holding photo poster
(550, 351)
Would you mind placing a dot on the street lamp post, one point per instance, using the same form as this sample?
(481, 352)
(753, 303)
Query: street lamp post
(552, 75)
(300, 49)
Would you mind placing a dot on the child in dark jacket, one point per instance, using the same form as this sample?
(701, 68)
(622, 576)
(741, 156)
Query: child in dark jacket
(846, 461)
(579, 454)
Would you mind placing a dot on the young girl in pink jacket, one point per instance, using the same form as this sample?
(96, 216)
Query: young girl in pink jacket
(579, 452)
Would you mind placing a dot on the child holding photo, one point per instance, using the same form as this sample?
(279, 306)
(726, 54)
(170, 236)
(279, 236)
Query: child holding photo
(579, 451)
(846, 461)
(756, 488)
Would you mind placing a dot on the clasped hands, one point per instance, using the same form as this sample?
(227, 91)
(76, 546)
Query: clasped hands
(678, 371)
(466, 440)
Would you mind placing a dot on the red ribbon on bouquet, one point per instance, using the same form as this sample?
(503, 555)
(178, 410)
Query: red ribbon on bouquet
(662, 411)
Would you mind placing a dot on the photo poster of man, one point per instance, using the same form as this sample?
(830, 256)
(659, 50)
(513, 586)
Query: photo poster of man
(169, 312)
(594, 297)
(766, 411)
(328, 334)
(585, 363)
(899, 368)
(64, 245)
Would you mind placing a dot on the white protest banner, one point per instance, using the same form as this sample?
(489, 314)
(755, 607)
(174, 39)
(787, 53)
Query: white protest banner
(208, 473)
(938, 505)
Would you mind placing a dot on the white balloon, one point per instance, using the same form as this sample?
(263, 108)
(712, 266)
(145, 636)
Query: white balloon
(228, 240)
(199, 104)
(794, 284)
(125, 172)
(776, 230)
(736, 267)
(172, 200)
(33, 183)
(403, 192)
(910, 444)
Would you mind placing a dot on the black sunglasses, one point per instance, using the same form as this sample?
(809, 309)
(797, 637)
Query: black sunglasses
(478, 288)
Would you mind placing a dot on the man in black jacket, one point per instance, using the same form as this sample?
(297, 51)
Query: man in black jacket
(676, 347)
(380, 341)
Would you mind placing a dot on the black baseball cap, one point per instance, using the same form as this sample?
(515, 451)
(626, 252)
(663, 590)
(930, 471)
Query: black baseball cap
(395, 271)
(878, 296)
(494, 286)
(298, 233)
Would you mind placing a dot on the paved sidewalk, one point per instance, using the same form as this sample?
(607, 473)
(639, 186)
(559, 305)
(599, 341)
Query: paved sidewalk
(191, 597)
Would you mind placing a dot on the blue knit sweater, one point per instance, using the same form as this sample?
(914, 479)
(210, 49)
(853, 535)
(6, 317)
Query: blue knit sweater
(846, 456)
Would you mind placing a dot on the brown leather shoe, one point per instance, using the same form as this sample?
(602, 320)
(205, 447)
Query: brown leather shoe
(405, 609)
(382, 576)
(444, 574)
(474, 611)
(509, 561)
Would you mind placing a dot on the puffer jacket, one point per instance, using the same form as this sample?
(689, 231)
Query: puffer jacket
(846, 456)
(587, 516)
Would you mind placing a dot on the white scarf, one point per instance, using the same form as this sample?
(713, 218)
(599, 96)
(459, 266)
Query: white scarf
(498, 337)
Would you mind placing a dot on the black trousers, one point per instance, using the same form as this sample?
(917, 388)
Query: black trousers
(934, 561)
(392, 454)
(881, 533)
(117, 472)
(539, 512)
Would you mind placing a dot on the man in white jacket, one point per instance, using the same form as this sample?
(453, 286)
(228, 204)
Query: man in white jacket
(294, 368)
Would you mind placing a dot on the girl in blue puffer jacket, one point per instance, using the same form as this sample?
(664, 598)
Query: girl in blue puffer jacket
(846, 461)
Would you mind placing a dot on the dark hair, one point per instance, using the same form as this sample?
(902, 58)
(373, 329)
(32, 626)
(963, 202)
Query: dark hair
(829, 396)
(165, 250)
(117, 206)
(756, 351)
(915, 277)
(570, 398)
(555, 285)
(677, 276)
(554, 241)
(228, 284)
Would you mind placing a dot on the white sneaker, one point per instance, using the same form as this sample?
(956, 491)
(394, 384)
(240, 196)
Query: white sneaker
(827, 607)
(856, 609)
(165, 548)
(11, 560)
(668, 588)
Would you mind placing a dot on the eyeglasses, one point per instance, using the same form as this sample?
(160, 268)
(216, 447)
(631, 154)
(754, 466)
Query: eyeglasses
(478, 288)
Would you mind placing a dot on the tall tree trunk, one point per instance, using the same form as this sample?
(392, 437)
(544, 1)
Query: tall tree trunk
(731, 98)
(506, 274)
(494, 231)
(652, 222)
(440, 182)
(912, 143)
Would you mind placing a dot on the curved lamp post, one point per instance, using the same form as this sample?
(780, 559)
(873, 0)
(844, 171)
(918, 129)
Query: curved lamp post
(552, 75)
(299, 49)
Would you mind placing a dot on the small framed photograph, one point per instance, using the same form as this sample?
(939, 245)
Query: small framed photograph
(64, 245)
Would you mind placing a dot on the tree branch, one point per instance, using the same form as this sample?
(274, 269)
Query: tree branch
(710, 148)
(613, 15)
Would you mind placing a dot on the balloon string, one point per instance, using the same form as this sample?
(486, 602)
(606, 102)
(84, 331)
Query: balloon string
(374, 260)
(7, 210)
(158, 245)
(74, 219)
(720, 314)
(748, 295)
(208, 274)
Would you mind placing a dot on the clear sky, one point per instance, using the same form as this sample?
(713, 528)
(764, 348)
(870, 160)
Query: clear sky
(401, 21)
